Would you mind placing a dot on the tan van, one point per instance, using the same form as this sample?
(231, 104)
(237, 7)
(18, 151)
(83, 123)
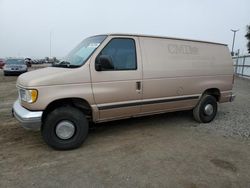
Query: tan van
(117, 76)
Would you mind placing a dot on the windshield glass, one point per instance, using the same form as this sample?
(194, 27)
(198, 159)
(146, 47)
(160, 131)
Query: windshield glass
(80, 54)
(15, 61)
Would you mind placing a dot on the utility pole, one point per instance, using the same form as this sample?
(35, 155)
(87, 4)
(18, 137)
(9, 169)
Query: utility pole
(50, 44)
(234, 31)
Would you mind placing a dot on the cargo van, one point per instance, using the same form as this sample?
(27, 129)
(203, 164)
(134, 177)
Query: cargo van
(117, 76)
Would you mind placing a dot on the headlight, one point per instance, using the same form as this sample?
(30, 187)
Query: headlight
(28, 95)
(24, 67)
(6, 67)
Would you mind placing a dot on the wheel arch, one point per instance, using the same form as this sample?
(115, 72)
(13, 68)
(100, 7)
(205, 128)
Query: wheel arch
(79, 103)
(214, 92)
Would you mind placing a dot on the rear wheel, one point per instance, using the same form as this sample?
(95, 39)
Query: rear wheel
(65, 128)
(206, 109)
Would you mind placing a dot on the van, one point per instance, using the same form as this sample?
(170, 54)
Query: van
(117, 76)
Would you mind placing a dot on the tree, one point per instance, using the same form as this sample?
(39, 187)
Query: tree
(248, 38)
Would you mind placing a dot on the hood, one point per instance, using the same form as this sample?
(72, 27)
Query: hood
(16, 65)
(53, 76)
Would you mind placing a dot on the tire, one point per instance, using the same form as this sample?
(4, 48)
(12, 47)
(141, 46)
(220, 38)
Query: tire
(61, 117)
(201, 112)
(5, 74)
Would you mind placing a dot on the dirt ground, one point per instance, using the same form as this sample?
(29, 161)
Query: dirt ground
(169, 150)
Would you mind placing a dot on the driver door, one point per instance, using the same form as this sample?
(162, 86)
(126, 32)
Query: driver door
(117, 91)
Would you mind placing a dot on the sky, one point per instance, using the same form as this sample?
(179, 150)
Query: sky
(26, 26)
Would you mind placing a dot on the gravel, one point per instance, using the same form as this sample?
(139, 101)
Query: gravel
(167, 150)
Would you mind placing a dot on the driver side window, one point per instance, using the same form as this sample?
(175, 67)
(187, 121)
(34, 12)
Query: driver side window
(122, 53)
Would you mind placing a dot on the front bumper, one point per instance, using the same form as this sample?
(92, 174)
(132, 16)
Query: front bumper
(31, 120)
(14, 72)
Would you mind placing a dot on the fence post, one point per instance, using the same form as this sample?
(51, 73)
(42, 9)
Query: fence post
(243, 66)
(236, 67)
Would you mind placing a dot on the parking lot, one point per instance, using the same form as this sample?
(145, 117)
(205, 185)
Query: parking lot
(168, 150)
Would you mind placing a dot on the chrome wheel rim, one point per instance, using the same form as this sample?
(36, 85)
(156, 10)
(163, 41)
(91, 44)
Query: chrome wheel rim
(65, 130)
(208, 109)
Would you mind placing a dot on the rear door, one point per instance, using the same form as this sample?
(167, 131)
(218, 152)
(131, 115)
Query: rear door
(117, 92)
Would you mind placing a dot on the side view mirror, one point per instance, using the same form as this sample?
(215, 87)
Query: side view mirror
(104, 62)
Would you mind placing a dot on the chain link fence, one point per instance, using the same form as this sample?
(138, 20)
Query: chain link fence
(242, 66)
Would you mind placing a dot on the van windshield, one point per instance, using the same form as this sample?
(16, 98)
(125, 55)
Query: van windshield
(80, 54)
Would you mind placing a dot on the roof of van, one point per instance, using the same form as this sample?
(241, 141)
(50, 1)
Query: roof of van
(154, 36)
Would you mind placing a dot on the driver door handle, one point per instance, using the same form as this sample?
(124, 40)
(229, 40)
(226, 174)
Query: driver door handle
(138, 86)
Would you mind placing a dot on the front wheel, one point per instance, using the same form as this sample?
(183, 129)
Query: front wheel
(206, 109)
(65, 128)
